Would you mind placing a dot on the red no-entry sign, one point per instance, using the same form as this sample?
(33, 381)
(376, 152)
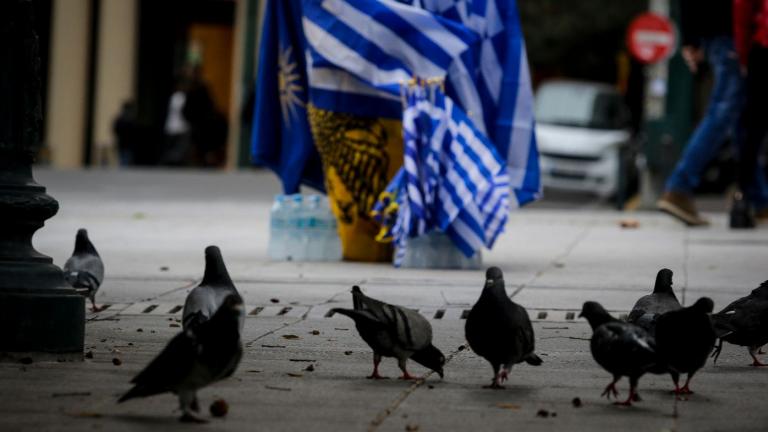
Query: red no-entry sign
(651, 38)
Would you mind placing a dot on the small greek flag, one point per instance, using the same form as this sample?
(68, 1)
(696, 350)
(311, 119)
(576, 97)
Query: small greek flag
(452, 179)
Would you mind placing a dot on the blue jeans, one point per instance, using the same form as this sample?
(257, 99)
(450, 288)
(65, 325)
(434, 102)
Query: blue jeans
(725, 106)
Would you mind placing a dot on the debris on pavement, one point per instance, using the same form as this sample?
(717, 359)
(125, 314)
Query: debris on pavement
(629, 223)
(116, 361)
(219, 408)
(576, 402)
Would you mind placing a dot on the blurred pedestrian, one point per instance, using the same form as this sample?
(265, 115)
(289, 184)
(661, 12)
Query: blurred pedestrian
(124, 128)
(177, 129)
(750, 25)
(707, 34)
(205, 122)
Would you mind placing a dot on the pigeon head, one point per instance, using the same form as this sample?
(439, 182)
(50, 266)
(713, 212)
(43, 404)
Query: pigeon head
(83, 244)
(704, 305)
(356, 289)
(494, 273)
(663, 281)
(431, 358)
(595, 313)
(215, 270)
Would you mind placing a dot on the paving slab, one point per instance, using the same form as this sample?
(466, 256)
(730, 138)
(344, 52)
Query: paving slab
(151, 227)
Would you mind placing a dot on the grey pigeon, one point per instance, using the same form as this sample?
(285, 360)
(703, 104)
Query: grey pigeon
(393, 331)
(499, 330)
(194, 359)
(648, 308)
(204, 300)
(621, 348)
(744, 322)
(84, 270)
(684, 340)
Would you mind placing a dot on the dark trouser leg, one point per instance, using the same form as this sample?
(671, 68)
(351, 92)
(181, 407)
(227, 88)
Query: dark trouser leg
(755, 120)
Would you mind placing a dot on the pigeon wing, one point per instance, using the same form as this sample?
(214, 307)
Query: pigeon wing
(168, 369)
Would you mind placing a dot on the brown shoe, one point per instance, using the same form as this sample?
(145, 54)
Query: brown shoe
(761, 216)
(681, 206)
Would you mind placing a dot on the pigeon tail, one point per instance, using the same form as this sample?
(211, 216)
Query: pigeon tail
(533, 360)
(663, 281)
(761, 291)
(139, 390)
(82, 279)
(83, 244)
(215, 269)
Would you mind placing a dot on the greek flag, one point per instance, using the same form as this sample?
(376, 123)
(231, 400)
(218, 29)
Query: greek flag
(452, 178)
(475, 47)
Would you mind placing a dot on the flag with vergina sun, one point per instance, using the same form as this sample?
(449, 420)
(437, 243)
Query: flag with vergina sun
(282, 139)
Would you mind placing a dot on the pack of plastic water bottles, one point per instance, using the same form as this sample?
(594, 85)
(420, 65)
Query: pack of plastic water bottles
(303, 228)
(436, 250)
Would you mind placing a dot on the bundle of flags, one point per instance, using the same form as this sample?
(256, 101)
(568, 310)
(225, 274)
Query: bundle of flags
(452, 178)
(360, 54)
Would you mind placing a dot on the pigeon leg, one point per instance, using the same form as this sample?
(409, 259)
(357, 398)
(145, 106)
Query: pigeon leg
(186, 401)
(195, 405)
(685, 389)
(716, 351)
(375, 374)
(95, 308)
(632, 393)
(755, 361)
(406, 375)
(495, 381)
(675, 379)
(611, 388)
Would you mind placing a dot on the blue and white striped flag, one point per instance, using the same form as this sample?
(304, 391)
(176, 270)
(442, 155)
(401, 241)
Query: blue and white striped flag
(477, 47)
(452, 178)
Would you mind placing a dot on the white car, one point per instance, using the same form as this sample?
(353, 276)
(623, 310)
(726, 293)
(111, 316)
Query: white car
(582, 130)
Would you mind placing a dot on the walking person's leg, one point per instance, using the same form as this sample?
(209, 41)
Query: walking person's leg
(725, 104)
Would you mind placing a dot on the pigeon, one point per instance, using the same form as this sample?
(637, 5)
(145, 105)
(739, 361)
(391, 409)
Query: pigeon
(393, 331)
(204, 300)
(648, 308)
(621, 348)
(684, 340)
(499, 330)
(84, 270)
(194, 359)
(744, 322)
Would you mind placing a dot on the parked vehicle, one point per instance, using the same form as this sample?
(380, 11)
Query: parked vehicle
(584, 139)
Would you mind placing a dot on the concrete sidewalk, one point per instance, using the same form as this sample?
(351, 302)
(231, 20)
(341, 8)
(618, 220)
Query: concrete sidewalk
(151, 228)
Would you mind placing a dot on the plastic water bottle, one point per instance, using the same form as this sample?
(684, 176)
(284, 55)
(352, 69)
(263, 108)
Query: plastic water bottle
(296, 247)
(313, 230)
(330, 241)
(278, 229)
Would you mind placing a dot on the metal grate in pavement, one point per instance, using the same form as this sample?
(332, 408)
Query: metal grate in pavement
(324, 311)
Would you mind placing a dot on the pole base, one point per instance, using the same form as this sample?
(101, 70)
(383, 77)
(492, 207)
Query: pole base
(42, 325)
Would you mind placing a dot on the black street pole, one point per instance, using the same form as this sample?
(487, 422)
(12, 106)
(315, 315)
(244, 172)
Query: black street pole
(40, 316)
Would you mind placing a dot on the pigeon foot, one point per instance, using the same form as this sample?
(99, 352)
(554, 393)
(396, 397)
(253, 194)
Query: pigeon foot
(627, 403)
(191, 418)
(494, 386)
(610, 389)
(408, 377)
(376, 376)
